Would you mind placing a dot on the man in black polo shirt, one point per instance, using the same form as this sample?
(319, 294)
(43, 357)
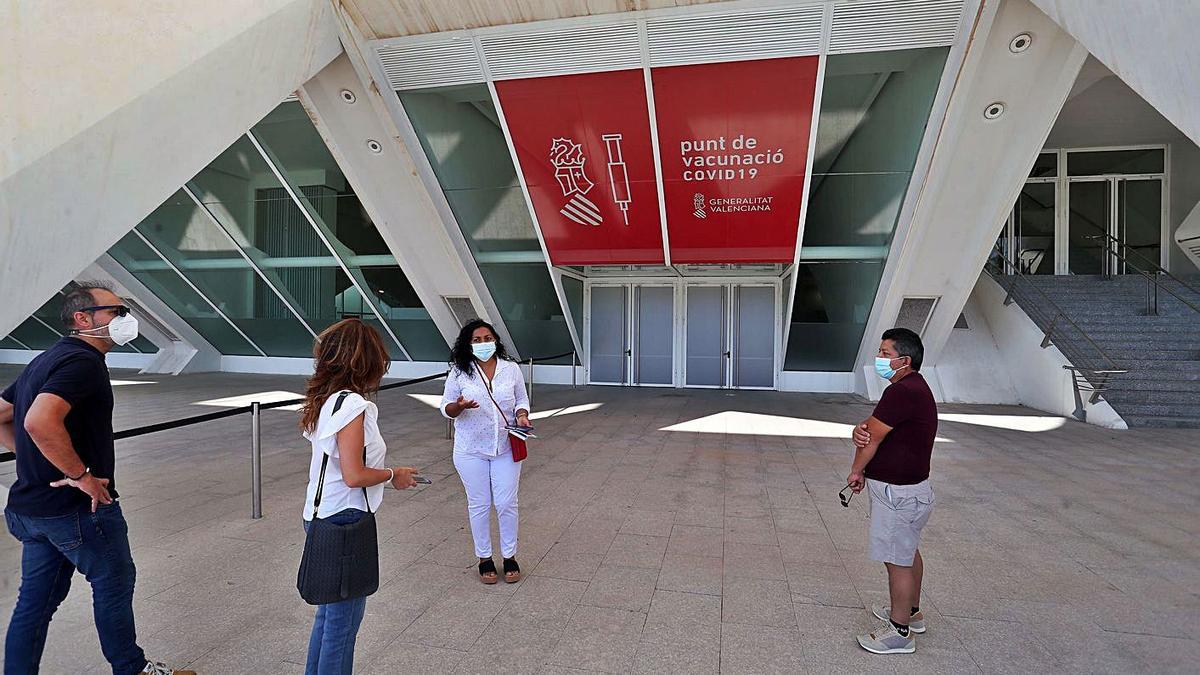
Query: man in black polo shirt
(57, 417)
(893, 448)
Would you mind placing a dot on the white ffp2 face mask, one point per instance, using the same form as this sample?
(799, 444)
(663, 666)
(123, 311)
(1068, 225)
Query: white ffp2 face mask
(121, 330)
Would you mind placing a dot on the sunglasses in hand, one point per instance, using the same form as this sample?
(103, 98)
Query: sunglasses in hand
(845, 496)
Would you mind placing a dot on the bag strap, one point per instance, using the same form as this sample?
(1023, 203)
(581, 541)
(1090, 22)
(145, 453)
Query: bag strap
(325, 462)
(487, 385)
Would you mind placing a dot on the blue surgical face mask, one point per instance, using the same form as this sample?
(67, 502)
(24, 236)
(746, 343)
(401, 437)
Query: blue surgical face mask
(883, 367)
(483, 350)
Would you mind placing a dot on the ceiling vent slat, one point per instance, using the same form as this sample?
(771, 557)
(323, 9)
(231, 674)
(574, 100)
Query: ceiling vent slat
(876, 25)
(430, 64)
(774, 33)
(585, 49)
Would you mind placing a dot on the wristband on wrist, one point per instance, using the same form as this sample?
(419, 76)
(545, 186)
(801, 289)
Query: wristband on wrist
(391, 475)
(86, 470)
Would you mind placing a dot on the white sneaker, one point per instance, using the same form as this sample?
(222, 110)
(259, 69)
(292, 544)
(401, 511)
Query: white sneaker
(916, 622)
(158, 668)
(887, 640)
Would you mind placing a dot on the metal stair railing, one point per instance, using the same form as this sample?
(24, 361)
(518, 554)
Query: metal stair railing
(1092, 368)
(1152, 279)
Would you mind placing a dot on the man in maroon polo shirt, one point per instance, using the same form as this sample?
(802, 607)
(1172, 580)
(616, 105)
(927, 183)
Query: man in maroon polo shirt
(891, 460)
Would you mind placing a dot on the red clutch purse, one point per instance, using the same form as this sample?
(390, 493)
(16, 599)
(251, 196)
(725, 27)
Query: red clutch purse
(520, 449)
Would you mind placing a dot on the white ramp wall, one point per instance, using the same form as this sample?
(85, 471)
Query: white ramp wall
(109, 107)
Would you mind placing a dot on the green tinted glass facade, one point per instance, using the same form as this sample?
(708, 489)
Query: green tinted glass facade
(264, 248)
(874, 110)
(461, 136)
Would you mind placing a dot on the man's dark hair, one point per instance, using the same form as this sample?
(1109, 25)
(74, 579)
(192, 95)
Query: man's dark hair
(78, 298)
(907, 343)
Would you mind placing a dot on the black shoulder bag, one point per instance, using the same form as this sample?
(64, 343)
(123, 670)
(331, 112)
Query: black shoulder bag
(340, 562)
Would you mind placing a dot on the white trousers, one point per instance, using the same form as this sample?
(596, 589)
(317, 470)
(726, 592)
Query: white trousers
(491, 481)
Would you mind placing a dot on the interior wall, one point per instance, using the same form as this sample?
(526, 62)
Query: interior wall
(1104, 111)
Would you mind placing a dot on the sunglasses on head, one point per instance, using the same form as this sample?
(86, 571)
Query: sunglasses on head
(121, 310)
(845, 498)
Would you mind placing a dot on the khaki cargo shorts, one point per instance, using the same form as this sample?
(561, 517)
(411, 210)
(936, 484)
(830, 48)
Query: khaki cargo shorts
(898, 514)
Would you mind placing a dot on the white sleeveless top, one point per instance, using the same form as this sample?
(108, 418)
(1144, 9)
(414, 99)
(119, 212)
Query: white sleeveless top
(337, 496)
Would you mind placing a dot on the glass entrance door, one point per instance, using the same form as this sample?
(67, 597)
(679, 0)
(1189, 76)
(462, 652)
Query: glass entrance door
(654, 337)
(707, 336)
(631, 336)
(1139, 224)
(754, 337)
(1087, 226)
(1033, 229)
(1088, 211)
(1114, 225)
(730, 335)
(608, 336)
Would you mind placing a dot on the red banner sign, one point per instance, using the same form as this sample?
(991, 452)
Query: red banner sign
(734, 144)
(583, 144)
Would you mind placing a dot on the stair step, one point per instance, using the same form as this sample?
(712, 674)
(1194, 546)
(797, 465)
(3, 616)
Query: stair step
(1182, 369)
(1191, 411)
(1157, 380)
(1149, 355)
(1187, 331)
(1108, 302)
(1132, 342)
(1161, 421)
(1125, 397)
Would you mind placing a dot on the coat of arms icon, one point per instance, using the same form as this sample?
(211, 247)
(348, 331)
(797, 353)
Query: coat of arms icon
(567, 157)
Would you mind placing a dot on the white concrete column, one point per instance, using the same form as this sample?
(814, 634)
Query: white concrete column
(977, 168)
(397, 188)
(109, 107)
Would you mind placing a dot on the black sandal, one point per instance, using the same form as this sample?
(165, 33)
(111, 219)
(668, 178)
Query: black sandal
(487, 567)
(512, 571)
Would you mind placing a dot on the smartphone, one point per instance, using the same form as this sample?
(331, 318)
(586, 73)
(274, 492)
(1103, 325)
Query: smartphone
(422, 480)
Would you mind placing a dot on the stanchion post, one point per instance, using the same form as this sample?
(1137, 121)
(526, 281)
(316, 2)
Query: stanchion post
(255, 461)
(574, 367)
(531, 384)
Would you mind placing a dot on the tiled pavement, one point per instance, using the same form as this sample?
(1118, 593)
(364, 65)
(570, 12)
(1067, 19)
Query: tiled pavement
(1068, 549)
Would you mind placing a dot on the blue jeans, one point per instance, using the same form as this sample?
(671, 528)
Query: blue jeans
(96, 544)
(335, 629)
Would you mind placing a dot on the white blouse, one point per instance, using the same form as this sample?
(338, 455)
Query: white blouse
(480, 431)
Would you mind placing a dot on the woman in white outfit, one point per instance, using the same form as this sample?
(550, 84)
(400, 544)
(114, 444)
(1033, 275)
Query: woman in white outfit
(480, 373)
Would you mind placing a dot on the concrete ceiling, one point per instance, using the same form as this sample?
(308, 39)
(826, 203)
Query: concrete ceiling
(1103, 110)
(377, 19)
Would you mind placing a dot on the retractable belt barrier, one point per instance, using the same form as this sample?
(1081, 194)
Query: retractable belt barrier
(254, 409)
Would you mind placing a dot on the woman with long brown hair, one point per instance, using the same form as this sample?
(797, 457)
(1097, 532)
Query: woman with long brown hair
(342, 423)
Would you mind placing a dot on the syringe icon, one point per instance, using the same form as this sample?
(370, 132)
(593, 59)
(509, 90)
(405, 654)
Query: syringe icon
(618, 178)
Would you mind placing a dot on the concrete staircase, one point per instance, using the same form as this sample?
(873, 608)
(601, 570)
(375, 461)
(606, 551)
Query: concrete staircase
(1161, 353)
